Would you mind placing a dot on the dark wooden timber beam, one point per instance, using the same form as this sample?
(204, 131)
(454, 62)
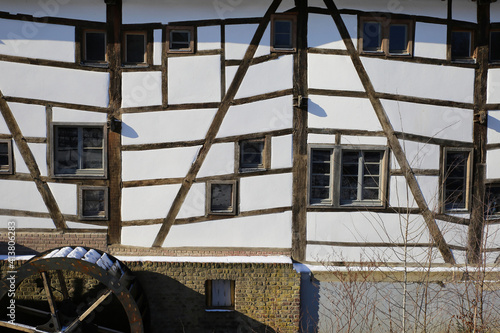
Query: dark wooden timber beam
(29, 159)
(214, 127)
(113, 24)
(392, 139)
(300, 87)
(480, 127)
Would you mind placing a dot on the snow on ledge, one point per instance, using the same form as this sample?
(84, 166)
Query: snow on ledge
(229, 260)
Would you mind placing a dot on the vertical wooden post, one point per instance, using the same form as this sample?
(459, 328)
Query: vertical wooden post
(476, 226)
(114, 22)
(299, 201)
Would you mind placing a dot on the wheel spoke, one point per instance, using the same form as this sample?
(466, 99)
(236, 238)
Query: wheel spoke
(50, 299)
(32, 310)
(62, 283)
(19, 327)
(84, 315)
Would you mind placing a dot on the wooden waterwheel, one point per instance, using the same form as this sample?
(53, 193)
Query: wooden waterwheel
(76, 289)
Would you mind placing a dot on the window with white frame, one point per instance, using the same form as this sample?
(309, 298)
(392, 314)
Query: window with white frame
(79, 150)
(345, 176)
(252, 154)
(221, 198)
(6, 164)
(219, 294)
(93, 203)
(456, 178)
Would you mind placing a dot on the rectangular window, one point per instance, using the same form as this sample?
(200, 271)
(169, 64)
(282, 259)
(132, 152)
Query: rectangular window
(461, 45)
(79, 150)
(220, 294)
(221, 198)
(180, 39)
(492, 201)
(495, 46)
(94, 46)
(343, 176)
(93, 203)
(252, 154)
(386, 36)
(134, 48)
(283, 32)
(456, 178)
(6, 164)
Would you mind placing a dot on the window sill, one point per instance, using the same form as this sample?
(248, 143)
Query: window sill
(79, 176)
(95, 64)
(219, 310)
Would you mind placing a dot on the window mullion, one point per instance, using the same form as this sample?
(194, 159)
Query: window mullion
(80, 148)
(360, 176)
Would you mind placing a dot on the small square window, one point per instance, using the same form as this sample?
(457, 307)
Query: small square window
(283, 32)
(93, 203)
(495, 46)
(134, 48)
(6, 165)
(219, 294)
(456, 177)
(461, 45)
(398, 39)
(221, 198)
(180, 39)
(372, 36)
(252, 156)
(94, 46)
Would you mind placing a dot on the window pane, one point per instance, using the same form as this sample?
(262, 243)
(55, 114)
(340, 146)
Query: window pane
(252, 154)
(92, 159)
(4, 156)
(95, 46)
(461, 44)
(347, 194)
(93, 202)
(455, 180)
(67, 137)
(221, 197)
(372, 40)
(372, 156)
(4, 148)
(321, 155)
(350, 157)
(370, 194)
(92, 137)
(398, 39)
(283, 34)
(4, 160)
(320, 193)
(495, 46)
(371, 181)
(349, 181)
(221, 293)
(320, 180)
(492, 201)
(66, 160)
(135, 48)
(180, 40)
(372, 169)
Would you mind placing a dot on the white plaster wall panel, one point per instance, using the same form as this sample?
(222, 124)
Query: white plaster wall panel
(342, 112)
(366, 254)
(429, 185)
(363, 140)
(422, 7)
(351, 23)
(267, 77)
(285, 5)
(54, 84)
(493, 89)
(76, 225)
(268, 231)
(454, 234)
(419, 155)
(400, 194)
(39, 151)
(21, 195)
(281, 151)
(26, 222)
(164, 126)
(194, 79)
(194, 204)
(90, 10)
(66, 197)
(37, 40)
(163, 11)
(495, 12)
(209, 38)
(238, 38)
(430, 40)
(323, 33)
(261, 116)
(264, 47)
(147, 202)
(3, 126)
(393, 77)
(64, 115)
(219, 160)
(141, 89)
(464, 10)
(359, 227)
(321, 138)
(140, 235)
(492, 162)
(316, 3)
(334, 72)
(260, 192)
(493, 131)
(492, 236)
(157, 163)
(157, 46)
(30, 118)
(431, 121)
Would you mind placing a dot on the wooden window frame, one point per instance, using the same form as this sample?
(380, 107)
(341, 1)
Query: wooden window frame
(385, 24)
(496, 61)
(292, 17)
(84, 48)
(493, 215)
(209, 298)
(467, 180)
(81, 189)
(10, 157)
(192, 32)
(472, 57)
(336, 177)
(126, 63)
(234, 197)
(79, 173)
(266, 155)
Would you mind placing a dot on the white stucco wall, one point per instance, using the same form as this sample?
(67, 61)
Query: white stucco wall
(209, 38)
(430, 40)
(30, 119)
(260, 192)
(64, 115)
(334, 72)
(493, 126)
(66, 197)
(147, 202)
(39, 151)
(21, 195)
(219, 160)
(194, 204)
(141, 89)
(281, 152)
(26, 222)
